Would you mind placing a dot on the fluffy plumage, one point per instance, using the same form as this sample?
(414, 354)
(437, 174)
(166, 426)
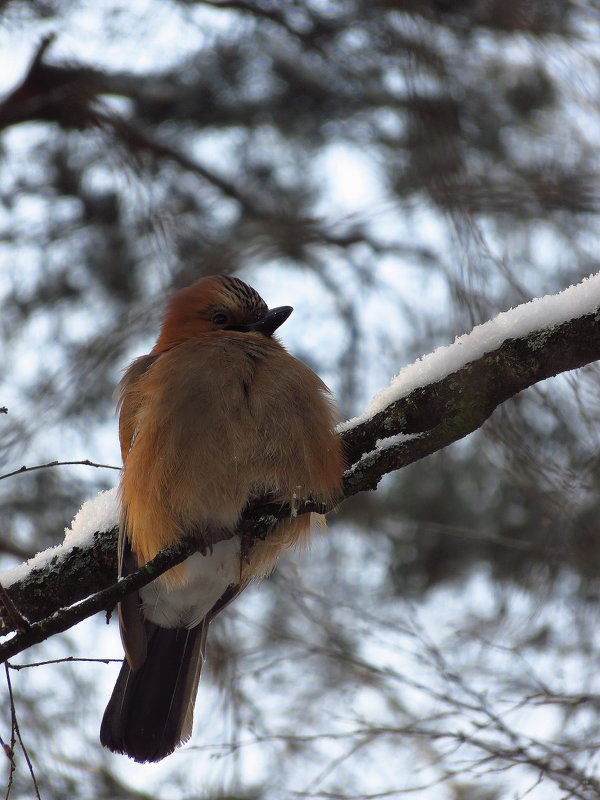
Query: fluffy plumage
(218, 416)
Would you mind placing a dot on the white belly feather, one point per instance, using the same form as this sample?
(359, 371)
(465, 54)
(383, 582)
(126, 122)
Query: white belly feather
(207, 578)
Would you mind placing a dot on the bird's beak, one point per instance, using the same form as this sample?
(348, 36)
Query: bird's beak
(270, 322)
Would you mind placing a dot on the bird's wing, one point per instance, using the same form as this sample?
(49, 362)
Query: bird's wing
(128, 403)
(131, 619)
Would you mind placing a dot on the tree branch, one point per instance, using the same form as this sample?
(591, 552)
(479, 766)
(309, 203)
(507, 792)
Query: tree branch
(425, 420)
(432, 417)
(102, 600)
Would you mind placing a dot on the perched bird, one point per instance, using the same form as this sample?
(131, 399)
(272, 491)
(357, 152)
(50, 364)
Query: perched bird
(218, 417)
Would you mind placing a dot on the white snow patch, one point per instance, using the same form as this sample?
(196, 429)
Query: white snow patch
(38, 561)
(397, 438)
(99, 514)
(381, 444)
(537, 315)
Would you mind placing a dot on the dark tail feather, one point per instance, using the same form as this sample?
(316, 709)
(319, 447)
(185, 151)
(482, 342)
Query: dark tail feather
(151, 710)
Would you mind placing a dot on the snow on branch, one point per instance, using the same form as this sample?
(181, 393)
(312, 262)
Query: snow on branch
(439, 399)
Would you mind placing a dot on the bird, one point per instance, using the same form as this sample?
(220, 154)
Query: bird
(216, 419)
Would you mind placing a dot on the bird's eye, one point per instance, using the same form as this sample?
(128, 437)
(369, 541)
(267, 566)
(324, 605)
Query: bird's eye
(219, 318)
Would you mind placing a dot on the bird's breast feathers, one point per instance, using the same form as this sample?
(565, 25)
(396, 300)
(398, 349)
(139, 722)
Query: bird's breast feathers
(218, 421)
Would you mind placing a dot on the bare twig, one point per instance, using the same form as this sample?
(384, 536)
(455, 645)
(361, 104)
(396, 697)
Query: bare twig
(15, 730)
(84, 462)
(18, 667)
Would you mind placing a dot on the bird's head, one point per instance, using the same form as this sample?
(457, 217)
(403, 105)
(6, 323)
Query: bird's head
(217, 303)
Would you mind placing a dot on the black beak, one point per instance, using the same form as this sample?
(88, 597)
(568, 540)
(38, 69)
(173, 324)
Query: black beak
(269, 323)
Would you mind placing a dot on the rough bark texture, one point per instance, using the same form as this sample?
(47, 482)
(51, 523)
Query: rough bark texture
(431, 416)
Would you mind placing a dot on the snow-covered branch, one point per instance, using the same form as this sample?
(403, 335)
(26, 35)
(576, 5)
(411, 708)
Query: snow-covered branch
(435, 401)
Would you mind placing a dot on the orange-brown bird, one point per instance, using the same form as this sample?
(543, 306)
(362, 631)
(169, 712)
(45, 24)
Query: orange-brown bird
(219, 416)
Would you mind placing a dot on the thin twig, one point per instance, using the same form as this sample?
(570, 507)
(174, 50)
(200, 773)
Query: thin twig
(15, 727)
(18, 667)
(85, 463)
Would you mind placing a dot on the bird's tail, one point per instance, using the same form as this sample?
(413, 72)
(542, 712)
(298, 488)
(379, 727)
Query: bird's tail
(151, 710)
